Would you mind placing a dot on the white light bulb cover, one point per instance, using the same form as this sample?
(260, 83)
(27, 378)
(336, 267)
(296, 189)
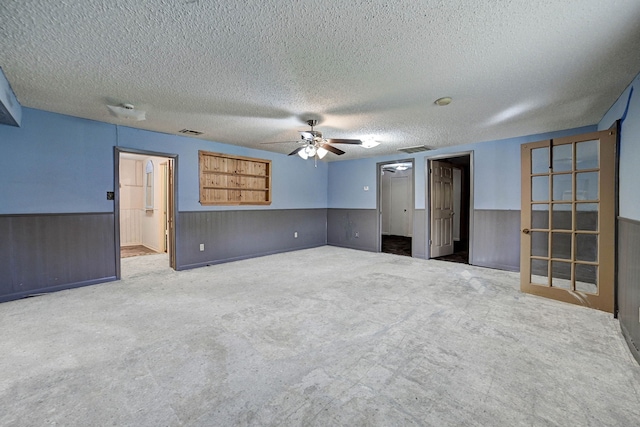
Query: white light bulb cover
(321, 152)
(311, 150)
(303, 154)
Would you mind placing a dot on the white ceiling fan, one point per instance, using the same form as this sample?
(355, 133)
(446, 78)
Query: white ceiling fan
(314, 145)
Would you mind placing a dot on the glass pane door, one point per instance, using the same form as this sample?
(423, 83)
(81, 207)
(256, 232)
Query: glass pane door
(568, 219)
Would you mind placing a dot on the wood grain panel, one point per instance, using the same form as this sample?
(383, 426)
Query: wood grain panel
(418, 240)
(629, 282)
(52, 252)
(343, 224)
(234, 235)
(496, 239)
(130, 227)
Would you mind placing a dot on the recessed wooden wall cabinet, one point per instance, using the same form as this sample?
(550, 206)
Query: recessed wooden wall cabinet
(234, 180)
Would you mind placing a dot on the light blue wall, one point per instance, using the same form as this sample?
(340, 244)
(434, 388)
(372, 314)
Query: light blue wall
(496, 174)
(55, 164)
(60, 164)
(629, 148)
(296, 183)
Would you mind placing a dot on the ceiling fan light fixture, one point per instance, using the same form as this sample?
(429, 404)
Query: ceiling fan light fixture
(311, 150)
(303, 154)
(321, 152)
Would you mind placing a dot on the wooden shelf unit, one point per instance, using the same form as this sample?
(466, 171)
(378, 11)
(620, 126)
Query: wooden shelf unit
(234, 180)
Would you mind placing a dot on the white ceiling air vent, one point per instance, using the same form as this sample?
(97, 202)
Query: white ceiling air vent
(415, 149)
(190, 132)
(10, 109)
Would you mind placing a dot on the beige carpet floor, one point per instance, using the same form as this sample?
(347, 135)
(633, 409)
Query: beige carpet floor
(320, 337)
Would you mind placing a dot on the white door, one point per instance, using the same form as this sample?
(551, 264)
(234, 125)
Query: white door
(399, 208)
(441, 174)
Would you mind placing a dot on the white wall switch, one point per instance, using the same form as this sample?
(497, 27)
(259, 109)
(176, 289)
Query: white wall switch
(295, 234)
(201, 247)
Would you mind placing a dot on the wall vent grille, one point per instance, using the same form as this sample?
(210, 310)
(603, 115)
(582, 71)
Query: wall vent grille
(416, 149)
(190, 132)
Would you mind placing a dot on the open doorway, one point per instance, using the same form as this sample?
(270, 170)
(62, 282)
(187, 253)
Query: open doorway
(145, 208)
(395, 207)
(450, 201)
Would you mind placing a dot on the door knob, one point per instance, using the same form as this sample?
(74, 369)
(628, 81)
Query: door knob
(526, 231)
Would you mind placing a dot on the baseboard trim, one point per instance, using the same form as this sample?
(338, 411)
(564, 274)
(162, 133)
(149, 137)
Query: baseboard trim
(635, 351)
(243, 257)
(496, 266)
(44, 291)
(358, 248)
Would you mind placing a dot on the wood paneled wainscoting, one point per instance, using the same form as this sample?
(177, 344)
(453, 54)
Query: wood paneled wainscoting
(235, 235)
(49, 252)
(629, 282)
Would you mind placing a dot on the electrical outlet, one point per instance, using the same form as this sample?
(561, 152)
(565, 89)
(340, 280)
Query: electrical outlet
(201, 247)
(357, 234)
(295, 234)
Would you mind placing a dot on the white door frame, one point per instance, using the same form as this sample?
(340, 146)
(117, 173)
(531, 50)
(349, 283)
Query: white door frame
(412, 206)
(427, 228)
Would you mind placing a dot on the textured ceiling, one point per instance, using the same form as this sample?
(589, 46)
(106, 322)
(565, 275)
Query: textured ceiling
(250, 72)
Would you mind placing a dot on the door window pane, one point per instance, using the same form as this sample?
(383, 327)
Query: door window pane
(539, 272)
(587, 186)
(561, 245)
(562, 216)
(587, 247)
(540, 160)
(540, 243)
(561, 274)
(587, 278)
(563, 158)
(587, 216)
(539, 188)
(562, 187)
(587, 155)
(540, 216)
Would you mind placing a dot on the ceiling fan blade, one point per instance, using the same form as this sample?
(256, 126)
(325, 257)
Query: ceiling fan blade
(296, 150)
(344, 141)
(334, 150)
